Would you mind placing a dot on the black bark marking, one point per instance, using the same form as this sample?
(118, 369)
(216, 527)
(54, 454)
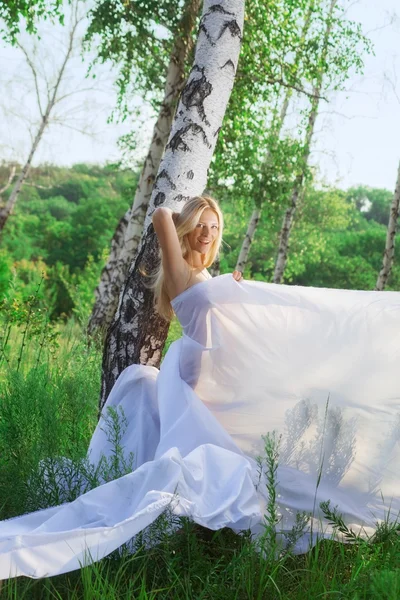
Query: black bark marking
(140, 305)
(164, 175)
(204, 29)
(178, 143)
(159, 199)
(220, 9)
(232, 24)
(194, 94)
(233, 28)
(190, 174)
(181, 198)
(216, 8)
(217, 132)
(229, 63)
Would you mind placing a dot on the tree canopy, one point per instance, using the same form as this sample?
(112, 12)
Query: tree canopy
(15, 13)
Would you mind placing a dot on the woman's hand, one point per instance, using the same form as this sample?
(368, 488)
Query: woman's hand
(237, 276)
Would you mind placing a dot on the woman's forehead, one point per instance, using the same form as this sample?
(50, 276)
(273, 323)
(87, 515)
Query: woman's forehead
(208, 215)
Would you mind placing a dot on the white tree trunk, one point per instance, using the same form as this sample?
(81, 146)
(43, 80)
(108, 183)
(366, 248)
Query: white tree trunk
(11, 176)
(248, 239)
(215, 268)
(123, 247)
(7, 210)
(288, 218)
(138, 333)
(388, 255)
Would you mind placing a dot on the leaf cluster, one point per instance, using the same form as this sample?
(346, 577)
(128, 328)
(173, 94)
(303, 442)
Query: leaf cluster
(13, 12)
(136, 36)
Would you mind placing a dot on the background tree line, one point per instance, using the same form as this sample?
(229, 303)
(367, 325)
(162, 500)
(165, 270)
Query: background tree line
(64, 221)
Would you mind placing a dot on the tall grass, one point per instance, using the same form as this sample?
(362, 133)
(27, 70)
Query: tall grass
(48, 411)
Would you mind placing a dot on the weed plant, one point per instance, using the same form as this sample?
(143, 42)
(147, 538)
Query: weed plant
(48, 411)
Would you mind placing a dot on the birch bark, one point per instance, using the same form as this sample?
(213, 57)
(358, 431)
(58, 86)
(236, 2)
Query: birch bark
(291, 210)
(138, 333)
(129, 230)
(215, 268)
(248, 239)
(388, 255)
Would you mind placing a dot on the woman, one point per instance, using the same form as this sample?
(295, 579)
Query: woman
(316, 369)
(190, 243)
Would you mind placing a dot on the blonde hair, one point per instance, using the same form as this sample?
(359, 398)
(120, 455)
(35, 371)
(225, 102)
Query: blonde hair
(185, 222)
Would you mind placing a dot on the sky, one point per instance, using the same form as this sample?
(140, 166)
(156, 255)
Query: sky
(357, 138)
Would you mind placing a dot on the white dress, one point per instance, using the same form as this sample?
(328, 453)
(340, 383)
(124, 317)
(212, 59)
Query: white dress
(319, 367)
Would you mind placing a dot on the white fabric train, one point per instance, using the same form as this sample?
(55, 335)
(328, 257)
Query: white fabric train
(318, 366)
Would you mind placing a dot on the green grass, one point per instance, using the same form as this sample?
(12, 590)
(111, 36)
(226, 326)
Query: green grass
(48, 410)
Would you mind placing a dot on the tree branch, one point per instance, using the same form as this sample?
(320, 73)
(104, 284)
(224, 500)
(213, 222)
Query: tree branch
(10, 179)
(291, 86)
(33, 69)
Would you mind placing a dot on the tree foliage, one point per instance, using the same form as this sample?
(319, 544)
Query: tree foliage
(27, 12)
(66, 219)
(137, 37)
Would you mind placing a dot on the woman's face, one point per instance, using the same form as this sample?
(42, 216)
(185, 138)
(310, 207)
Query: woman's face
(205, 232)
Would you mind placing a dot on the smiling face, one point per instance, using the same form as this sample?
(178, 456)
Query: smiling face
(205, 232)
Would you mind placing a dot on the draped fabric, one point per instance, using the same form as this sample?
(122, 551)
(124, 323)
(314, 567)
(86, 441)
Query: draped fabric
(317, 368)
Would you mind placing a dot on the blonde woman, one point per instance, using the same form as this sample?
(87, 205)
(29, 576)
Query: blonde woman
(190, 242)
(316, 369)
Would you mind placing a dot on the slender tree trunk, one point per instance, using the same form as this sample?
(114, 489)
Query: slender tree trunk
(256, 214)
(248, 239)
(11, 176)
(138, 333)
(298, 184)
(123, 247)
(7, 210)
(215, 268)
(390, 238)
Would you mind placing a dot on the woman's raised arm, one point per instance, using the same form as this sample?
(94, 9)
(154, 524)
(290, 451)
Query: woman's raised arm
(174, 265)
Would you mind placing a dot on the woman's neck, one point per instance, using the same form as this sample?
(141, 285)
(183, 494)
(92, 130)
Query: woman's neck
(195, 260)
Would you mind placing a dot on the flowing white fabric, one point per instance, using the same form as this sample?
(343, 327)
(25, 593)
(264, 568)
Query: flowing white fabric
(317, 366)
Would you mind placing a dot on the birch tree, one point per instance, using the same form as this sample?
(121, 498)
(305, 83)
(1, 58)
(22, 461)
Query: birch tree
(48, 94)
(388, 255)
(261, 21)
(340, 52)
(138, 333)
(276, 130)
(128, 233)
(256, 214)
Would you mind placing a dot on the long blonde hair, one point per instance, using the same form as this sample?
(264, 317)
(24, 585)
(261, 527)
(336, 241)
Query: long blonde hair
(185, 222)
